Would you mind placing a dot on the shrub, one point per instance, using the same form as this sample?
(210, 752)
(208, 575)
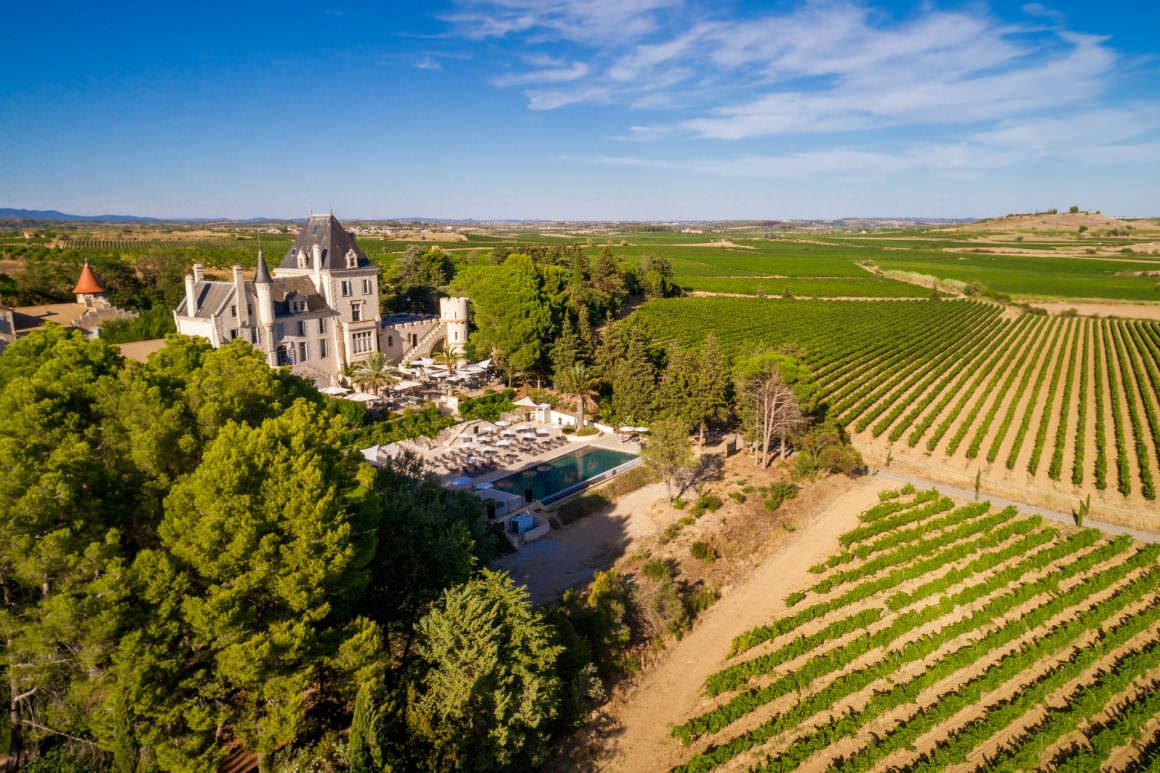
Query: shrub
(488, 406)
(778, 493)
(670, 533)
(657, 568)
(703, 551)
(658, 599)
(707, 503)
(737, 497)
(701, 599)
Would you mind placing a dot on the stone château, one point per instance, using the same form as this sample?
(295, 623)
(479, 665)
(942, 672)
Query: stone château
(318, 311)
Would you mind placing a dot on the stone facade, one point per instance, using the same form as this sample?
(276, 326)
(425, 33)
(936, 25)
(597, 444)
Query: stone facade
(318, 312)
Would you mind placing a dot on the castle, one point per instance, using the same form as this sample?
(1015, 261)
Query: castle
(318, 312)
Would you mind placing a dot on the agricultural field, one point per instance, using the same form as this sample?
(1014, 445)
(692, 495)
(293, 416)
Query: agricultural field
(1047, 410)
(1115, 260)
(946, 635)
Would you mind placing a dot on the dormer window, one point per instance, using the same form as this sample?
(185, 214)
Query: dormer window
(301, 258)
(351, 259)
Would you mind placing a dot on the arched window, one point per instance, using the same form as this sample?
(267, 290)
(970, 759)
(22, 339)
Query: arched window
(301, 258)
(351, 259)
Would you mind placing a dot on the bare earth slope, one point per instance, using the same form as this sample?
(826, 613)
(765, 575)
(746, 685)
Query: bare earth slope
(642, 720)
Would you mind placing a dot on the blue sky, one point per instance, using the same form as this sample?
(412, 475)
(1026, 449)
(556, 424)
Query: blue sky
(606, 109)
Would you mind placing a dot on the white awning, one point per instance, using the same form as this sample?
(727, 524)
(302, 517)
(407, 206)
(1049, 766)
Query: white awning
(525, 402)
(404, 385)
(334, 390)
(361, 397)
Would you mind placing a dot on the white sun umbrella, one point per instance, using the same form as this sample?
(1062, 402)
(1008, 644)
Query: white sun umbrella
(404, 385)
(503, 423)
(334, 390)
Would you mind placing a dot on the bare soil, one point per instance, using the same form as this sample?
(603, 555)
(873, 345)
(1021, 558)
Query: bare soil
(1102, 309)
(634, 732)
(727, 244)
(1062, 221)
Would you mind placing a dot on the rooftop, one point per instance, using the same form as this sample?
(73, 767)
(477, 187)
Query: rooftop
(334, 240)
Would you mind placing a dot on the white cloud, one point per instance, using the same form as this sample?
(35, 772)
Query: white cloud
(564, 74)
(592, 21)
(825, 66)
(429, 62)
(1116, 136)
(947, 92)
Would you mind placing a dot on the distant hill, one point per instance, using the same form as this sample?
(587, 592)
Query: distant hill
(1049, 221)
(52, 214)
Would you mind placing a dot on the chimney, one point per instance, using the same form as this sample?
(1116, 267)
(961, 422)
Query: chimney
(240, 297)
(316, 266)
(190, 296)
(198, 273)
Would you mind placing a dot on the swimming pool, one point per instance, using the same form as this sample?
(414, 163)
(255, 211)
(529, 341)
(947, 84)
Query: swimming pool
(550, 480)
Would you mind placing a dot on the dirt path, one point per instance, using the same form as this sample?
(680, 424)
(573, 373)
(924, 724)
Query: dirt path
(570, 556)
(665, 695)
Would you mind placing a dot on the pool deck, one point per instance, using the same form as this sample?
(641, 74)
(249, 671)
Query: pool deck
(611, 442)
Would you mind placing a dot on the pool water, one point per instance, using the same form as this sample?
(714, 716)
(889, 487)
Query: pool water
(553, 476)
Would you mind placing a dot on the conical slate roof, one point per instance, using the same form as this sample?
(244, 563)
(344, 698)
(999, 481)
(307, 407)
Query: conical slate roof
(87, 283)
(262, 275)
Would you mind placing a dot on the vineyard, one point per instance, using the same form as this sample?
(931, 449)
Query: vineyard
(86, 243)
(1060, 406)
(944, 635)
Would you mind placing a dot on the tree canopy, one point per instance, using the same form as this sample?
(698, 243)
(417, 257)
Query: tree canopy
(191, 558)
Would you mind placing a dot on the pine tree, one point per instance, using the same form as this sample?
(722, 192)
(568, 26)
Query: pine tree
(565, 350)
(627, 363)
(490, 691)
(668, 454)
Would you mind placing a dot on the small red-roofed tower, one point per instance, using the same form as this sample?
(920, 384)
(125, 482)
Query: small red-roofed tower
(88, 290)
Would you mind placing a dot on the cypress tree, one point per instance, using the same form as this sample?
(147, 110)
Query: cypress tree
(363, 748)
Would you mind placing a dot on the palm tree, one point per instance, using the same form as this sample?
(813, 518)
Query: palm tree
(576, 380)
(446, 358)
(376, 372)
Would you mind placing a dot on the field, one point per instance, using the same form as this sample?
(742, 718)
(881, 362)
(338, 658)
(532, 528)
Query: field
(946, 635)
(1044, 409)
(1114, 260)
